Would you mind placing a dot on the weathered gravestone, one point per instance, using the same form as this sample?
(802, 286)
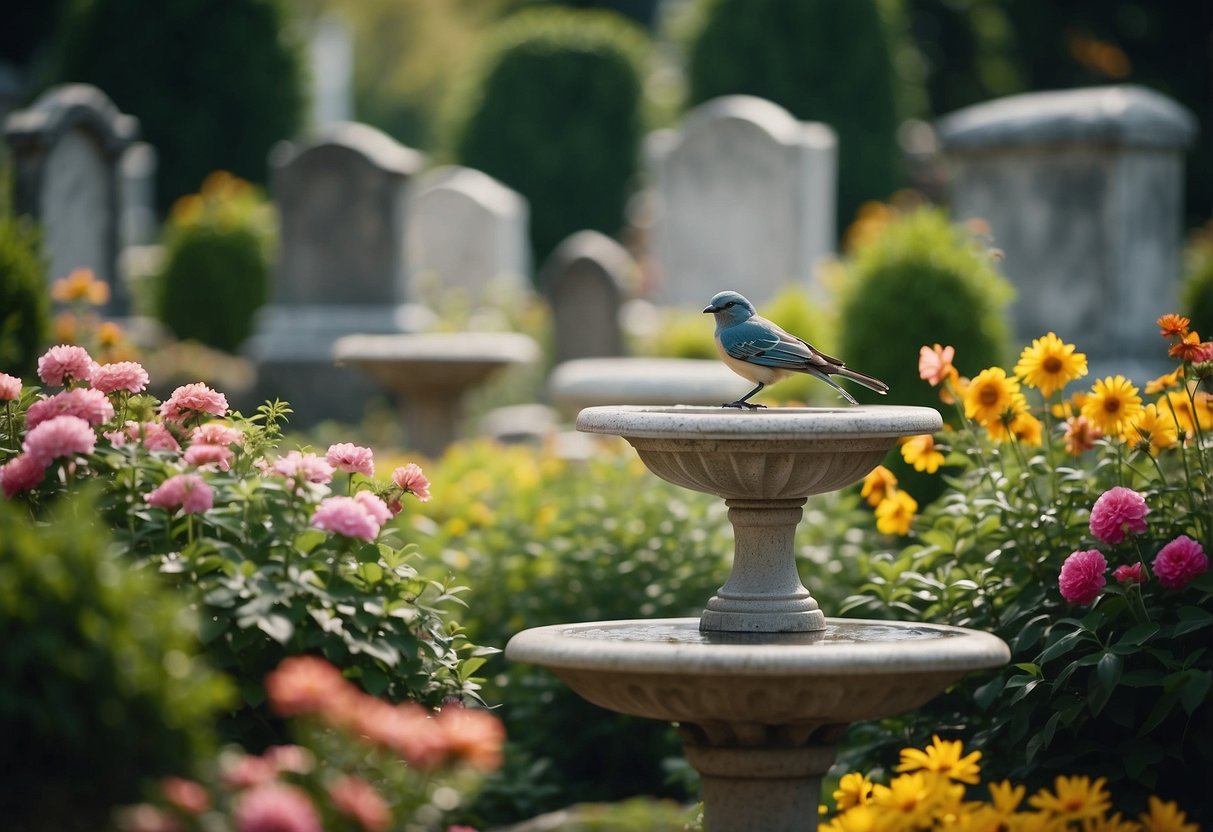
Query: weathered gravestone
(1082, 190)
(584, 281)
(746, 197)
(65, 150)
(139, 224)
(467, 233)
(341, 266)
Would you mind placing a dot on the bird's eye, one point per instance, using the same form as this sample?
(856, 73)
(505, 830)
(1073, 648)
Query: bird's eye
(730, 303)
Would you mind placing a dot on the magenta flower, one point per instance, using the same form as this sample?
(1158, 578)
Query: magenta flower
(1181, 560)
(188, 491)
(411, 479)
(21, 473)
(352, 458)
(203, 454)
(59, 437)
(1129, 573)
(1117, 512)
(10, 388)
(1082, 576)
(216, 433)
(65, 363)
(345, 516)
(90, 405)
(276, 807)
(193, 400)
(123, 375)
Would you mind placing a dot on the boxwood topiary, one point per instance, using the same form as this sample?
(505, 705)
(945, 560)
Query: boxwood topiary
(553, 109)
(24, 301)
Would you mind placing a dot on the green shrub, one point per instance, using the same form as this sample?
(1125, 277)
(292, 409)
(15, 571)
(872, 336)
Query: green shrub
(214, 85)
(216, 271)
(822, 61)
(100, 684)
(1197, 301)
(553, 109)
(23, 296)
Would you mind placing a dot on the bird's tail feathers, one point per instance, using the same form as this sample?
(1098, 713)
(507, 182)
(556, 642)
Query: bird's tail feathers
(859, 378)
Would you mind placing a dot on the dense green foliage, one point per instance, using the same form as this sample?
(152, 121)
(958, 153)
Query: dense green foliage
(1197, 285)
(213, 85)
(24, 299)
(100, 681)
(216, 273)
(553, 109)
(822, 61)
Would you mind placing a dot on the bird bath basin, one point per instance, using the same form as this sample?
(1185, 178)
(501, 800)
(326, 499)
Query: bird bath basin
(763, 685)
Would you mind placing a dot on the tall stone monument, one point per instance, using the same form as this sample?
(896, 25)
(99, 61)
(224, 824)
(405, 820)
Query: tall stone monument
(1082, 190)
(65, 149)
(341, 266)
(746, 197)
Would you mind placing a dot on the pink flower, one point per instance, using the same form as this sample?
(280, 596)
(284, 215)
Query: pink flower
(352, 458)
(202, 454)
(935, 364)
(189, 491)
(1082, 576)
(374, 507)
(300, 467)
(186, 795)
(144, 817)
(216, 433)
(90, 405)
(59, 437)
(358, 799)
(1181, 560)
(193, 400)
(65, 363)
(10, 388)
(1129, 573)
(21, 473)
(1117, 512)
(345, 516)
(155, 436)
(276, 807)
(124, 375)
(411, 479)
(292, 759)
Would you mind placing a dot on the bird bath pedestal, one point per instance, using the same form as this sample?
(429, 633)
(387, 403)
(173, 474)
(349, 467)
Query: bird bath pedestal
(428, 374)
(763, 685)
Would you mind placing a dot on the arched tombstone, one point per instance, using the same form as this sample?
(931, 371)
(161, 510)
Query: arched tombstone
(584, 281)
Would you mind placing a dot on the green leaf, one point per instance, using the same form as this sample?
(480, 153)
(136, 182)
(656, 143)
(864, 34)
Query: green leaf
(1042, 738)
(1061, 645)
(470, 666)
(986, 695)
(1029, 667)
(374, 680)
(1108, 670)
(1195, 689)
(1136, 636)
(276, 626)
(1191, 619)
(307, 541)
(1162, 708)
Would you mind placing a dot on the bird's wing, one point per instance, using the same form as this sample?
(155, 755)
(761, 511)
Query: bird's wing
(759, 341)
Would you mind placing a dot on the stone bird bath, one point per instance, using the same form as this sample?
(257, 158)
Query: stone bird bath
(763, 685)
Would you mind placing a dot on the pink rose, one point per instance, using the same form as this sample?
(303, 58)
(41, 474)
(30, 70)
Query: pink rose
(345, 516)
(202, 454)
(123, 375)
(1181, 560)
(276, 807)
(189, 491)
(1082, 576)
(410, 478)
(358, 799)
(374, 507)
(65, 363)
(59, 437)
(1117, 512)
(352, 458)
(90, 405)
(1129, 573)
(193, 400)
(216, 433)
(10, 388)
(187, 795)
(155, 436)
(21, 473)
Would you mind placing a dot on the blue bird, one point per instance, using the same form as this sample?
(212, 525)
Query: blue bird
(759, 350)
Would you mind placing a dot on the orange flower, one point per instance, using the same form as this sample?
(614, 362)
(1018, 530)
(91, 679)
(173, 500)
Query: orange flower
(1167, 381)
(1080, 435)
(81, 285)
(474, 735)
(1191, 348)
(1172, 325)
(878, 485)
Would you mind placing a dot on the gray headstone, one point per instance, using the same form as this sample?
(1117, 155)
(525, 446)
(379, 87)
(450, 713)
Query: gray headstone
(467, 232)
(65, 151)
(1082, 190)
(139, 223)
(584, 280)
(341, 206)
(746, 201)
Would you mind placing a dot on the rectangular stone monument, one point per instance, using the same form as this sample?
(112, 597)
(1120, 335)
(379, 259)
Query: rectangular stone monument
(65, 150)
(584, 281)
(1082, 190)
(467, 233)
(746, 197)
(341, 266)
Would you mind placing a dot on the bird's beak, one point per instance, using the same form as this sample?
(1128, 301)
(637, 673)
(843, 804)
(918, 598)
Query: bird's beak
(711, 309)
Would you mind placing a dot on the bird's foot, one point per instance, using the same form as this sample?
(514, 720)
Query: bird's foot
(743, 405)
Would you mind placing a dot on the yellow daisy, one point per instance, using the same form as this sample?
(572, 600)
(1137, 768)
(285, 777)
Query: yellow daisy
(989, 395)
(907, 801)
(1151, 431)
(856, 819)
(1074, 799)
(1018, 423)
(920, 452)
(1006, 796)
(878, 485)
(854, 789)
(1167, 381)
(1165, 816)
(1187, 412)
(895, 514)
(1115, 823)
(943, 757)
(1112, 405)
(1050, 364)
